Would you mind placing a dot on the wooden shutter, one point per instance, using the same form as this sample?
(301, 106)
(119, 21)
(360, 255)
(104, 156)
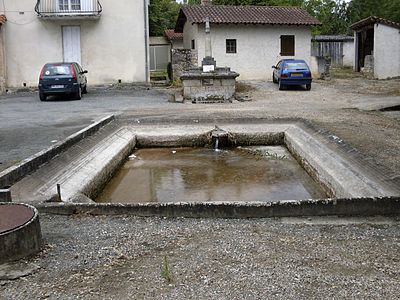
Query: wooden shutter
(287, 45)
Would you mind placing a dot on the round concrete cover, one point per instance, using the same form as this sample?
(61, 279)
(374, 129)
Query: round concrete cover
(13, 216)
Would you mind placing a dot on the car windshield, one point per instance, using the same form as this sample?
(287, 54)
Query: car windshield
(296, 66)
(53, 70)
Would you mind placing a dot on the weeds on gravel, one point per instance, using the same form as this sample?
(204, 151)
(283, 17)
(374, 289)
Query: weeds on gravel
(242, 87)
(166, 271)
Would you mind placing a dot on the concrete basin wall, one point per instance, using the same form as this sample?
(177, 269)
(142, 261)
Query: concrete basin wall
(95, 161)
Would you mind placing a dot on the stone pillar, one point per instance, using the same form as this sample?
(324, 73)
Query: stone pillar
(208, 63)
(208, 39)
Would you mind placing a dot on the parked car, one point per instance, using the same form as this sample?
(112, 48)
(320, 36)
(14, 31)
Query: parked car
(292, 72)
(62, 79)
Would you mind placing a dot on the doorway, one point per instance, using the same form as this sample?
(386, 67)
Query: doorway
(71, 36)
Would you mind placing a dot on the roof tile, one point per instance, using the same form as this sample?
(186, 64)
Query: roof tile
(274, 15)
(172, 35)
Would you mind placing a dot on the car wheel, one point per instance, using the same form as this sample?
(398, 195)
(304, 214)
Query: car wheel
(84, 90)
(308, 86)
(281, 86)
(78, 95)
(42, 97)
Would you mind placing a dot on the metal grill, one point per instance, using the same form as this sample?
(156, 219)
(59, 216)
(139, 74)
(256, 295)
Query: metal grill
(54, 8)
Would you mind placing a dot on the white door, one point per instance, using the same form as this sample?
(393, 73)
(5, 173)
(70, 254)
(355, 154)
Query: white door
(72, 43)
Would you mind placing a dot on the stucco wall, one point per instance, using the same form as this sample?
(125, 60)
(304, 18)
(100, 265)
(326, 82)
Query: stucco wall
(112, 47)
(348, 53)
(189, 34)
(386, 51)
(258, 47)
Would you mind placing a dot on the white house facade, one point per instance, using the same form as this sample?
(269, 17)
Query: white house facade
(108, 38)
(380, 39)
(249, 39)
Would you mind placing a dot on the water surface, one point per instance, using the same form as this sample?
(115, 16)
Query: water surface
(201, 174)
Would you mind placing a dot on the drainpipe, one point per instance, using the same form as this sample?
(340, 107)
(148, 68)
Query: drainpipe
(146, 37)
(3, 73)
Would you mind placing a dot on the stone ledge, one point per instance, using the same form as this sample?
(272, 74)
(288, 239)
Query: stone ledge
(289, 208)
(11, 175)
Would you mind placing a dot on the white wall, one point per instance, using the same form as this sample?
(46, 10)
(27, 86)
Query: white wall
(258, 47)
(190, 33)
(112, 47)
(386, 51)
(348, 53)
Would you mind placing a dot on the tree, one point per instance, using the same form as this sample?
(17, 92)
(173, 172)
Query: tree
(162, 15)
(361, 9)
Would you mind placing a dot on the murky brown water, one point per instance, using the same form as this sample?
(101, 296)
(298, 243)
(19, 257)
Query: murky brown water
(201, 174)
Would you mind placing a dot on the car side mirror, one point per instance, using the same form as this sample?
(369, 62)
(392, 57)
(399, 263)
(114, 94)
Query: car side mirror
(273, 67)
(85, 72)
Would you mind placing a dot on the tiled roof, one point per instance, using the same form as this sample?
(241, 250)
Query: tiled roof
(224, 14)
(332, 38)
(3, 19)
(372, 20)
(172, 35)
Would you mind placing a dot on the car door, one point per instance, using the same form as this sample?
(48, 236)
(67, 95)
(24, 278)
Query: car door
(80, 75)
(277, 70)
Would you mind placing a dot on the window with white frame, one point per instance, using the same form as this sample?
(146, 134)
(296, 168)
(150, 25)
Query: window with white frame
(68, 5)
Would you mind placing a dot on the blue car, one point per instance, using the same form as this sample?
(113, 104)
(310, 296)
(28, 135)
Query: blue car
(292, 72)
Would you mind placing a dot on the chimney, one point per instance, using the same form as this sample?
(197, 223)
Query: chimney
(205, 2)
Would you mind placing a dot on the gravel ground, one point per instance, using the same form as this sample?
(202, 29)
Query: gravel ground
(124, 258)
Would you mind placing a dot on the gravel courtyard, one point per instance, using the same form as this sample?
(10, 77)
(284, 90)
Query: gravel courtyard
(126, 257)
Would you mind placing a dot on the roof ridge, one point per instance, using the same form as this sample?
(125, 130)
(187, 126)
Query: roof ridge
(218, 5)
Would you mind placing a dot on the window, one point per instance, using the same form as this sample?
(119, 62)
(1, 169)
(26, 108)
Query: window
(69, 4)
(230, 46)
(287, 45)
(63, 4)
(193, 45)
(75, 4)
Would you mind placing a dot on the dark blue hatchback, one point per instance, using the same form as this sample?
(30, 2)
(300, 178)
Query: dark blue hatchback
(62, 79)
(292, 72)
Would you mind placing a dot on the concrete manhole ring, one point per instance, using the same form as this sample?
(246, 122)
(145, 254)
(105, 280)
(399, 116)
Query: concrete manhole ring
(20, 233)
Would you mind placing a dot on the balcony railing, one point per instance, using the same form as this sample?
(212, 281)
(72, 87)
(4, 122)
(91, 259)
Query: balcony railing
(68, 8)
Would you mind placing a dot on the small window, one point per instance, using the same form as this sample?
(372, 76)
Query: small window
(193, 45)
(230, 46)
(287, 45)
(75, 4)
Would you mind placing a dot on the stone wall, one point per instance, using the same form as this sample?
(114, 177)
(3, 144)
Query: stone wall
(182, 60)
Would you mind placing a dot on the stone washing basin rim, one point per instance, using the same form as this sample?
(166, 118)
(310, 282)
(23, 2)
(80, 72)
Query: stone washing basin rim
(287, 124)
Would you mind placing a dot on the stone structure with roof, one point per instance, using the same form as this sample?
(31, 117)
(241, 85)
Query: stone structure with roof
(340, 48)
(377, 47)
(249, 39)
(175, 38)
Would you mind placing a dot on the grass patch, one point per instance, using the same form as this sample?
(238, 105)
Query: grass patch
(158, 73)
(166, 271)
(177, 83)
(345, 73)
